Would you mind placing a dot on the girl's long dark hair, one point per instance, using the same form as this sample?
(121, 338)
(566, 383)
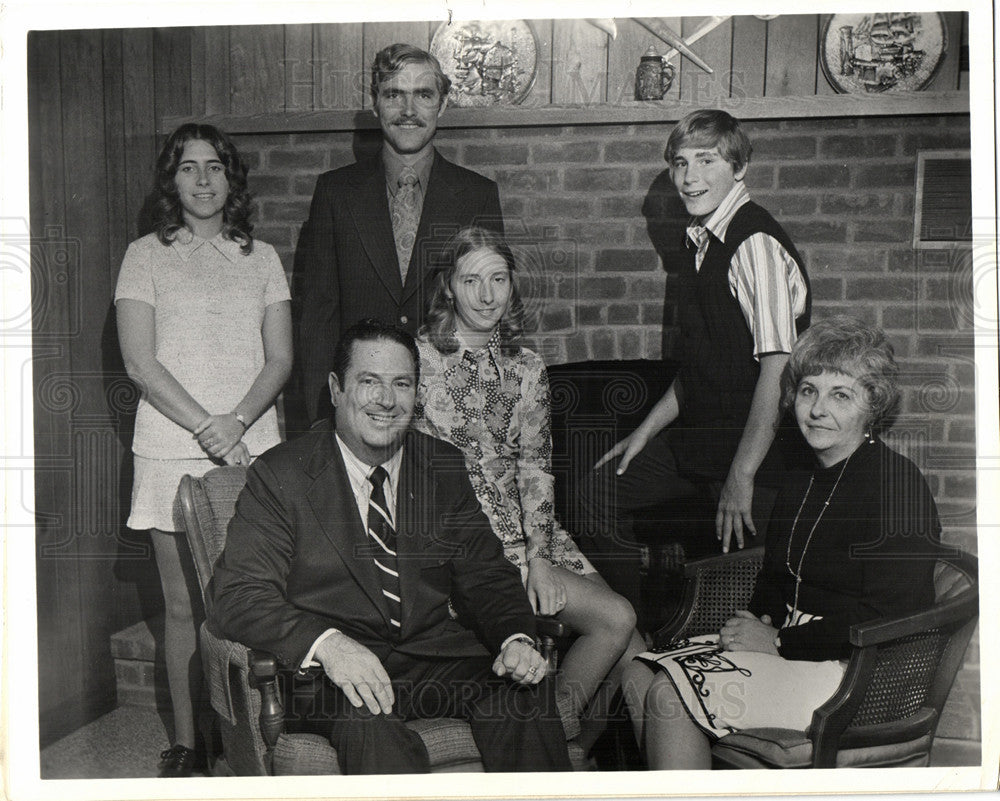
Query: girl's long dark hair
(440, 326)
(168, 216)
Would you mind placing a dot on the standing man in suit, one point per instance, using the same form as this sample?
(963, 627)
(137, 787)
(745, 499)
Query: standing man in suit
(344, 552)
(374, 225)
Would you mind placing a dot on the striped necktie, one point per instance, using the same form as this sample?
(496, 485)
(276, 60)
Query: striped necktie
(383, 537)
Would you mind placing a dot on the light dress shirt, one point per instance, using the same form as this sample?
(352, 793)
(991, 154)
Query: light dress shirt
(763, 277)
(358, 473)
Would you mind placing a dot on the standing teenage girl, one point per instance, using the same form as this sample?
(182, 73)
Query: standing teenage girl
(204, 324)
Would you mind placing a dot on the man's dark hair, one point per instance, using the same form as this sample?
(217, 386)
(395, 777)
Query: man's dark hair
(371, 330)
(390, 60)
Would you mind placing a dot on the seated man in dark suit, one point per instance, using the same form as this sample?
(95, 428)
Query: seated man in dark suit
(343, 553)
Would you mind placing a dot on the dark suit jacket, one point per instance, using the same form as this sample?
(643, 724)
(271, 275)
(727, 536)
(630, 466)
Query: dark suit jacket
(351, 270)
(297, 559)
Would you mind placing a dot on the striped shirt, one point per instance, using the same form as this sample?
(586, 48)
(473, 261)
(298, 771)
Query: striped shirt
(763, 277)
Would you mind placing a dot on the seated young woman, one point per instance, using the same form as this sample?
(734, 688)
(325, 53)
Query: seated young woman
(852, 540)
(489, 396)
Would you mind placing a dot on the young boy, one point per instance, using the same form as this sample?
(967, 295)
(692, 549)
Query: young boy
(743, 298)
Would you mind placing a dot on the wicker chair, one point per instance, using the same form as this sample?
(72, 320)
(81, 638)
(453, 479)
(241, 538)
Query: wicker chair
(243, 683)
(886, 710)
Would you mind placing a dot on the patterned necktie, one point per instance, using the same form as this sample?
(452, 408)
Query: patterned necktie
(698, 234)
(383, 537)
(405, 218)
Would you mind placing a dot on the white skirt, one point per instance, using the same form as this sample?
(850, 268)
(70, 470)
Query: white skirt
(155, 503)
(725, 691)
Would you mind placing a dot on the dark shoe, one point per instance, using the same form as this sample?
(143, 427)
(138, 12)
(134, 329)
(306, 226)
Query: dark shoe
(177, 762)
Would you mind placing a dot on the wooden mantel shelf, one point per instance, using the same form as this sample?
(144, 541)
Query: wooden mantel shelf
(757, 108)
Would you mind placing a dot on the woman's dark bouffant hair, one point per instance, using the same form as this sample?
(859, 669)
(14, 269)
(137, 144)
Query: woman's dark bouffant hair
(845, 345)
(169, 216)
(440, 326)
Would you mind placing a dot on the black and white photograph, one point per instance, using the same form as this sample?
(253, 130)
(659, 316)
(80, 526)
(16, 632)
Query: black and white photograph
(566, 398)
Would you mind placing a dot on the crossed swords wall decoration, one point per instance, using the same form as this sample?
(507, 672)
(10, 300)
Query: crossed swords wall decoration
(679, 44)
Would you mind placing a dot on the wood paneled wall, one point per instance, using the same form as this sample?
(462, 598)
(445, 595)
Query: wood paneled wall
(94, 97)
(267, 69)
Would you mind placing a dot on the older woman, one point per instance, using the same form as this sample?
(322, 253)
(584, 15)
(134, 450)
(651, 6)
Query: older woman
(852, 540)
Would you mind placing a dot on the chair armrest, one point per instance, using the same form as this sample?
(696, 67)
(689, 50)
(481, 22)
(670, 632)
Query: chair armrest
(876, 632)
(715, 587)
(264, 670)
(236, 698)
(836, 718)
(263, 664)
(547, 626)
(547, 631)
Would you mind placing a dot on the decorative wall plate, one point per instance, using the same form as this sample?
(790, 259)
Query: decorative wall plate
(490, 63)
(872, 53)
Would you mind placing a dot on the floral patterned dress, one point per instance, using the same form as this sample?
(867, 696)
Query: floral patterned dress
(495, 409)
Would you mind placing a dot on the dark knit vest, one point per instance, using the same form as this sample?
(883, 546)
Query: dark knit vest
(718, 372)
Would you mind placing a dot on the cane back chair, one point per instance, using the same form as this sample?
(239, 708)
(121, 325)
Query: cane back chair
(887, 707)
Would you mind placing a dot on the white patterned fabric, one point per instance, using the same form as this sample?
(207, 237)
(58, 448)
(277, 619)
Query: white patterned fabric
(209, 300)
(726, 691)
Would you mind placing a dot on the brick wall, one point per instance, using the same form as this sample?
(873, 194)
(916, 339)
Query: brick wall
(596, 225)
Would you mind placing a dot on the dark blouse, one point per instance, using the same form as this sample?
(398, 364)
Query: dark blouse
(871, 555)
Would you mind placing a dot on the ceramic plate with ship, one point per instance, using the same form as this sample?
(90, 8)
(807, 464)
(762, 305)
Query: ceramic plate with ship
(873, 53)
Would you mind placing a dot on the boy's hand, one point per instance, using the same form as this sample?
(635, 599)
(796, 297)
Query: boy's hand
(630, 447)
(546, 591)
(733, 515)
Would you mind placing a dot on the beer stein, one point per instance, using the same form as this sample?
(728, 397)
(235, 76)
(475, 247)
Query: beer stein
(653, 77)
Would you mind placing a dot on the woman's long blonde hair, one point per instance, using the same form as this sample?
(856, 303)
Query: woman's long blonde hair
(440, 326)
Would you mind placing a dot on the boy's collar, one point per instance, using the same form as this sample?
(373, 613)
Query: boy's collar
(718, 221)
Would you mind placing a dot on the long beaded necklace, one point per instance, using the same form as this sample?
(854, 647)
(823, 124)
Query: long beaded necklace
(797, 573)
